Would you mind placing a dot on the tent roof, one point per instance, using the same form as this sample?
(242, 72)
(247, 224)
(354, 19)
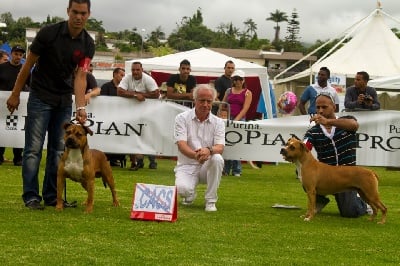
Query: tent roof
(374, 48)
(386, 83)
(201, 60)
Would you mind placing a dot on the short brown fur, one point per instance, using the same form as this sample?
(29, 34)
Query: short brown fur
(323, 179)
(81, 164)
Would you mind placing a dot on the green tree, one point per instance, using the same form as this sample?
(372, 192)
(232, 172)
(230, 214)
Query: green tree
(155, 37)
(277, 17)
(191, 33)
(250, 27)
(292, 42)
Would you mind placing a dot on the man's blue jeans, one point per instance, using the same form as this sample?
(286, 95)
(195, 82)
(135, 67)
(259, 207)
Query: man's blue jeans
(42, 118)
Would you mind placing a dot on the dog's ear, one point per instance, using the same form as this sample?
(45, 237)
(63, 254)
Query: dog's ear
(66, 125)
(303, 147)
(88, 130)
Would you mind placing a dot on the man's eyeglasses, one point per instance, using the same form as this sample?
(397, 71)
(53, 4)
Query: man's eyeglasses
(326, 94)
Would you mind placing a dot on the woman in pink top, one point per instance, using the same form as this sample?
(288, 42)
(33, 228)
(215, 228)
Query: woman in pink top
(239, 99)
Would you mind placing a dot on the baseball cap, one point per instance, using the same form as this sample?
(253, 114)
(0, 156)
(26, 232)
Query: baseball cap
(18, 48)
(238, 73)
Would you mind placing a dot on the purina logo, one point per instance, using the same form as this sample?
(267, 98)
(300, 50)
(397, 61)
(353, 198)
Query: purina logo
(12, 122)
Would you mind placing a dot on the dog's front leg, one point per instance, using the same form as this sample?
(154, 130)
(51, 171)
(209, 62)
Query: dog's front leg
(60, 188)
(311, 195)
(90, 190)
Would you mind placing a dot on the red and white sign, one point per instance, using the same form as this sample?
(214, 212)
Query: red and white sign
(154, 203)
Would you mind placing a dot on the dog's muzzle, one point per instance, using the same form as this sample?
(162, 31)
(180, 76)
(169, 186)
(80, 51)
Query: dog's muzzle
(71, 143)
(283, 151)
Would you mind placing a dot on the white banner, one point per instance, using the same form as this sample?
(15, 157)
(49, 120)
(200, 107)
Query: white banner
(123, 125)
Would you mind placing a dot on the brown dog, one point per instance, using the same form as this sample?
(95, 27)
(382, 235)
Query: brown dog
(323, 179)
(81, 164)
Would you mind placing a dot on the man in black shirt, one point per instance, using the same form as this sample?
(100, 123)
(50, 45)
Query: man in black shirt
(225, 82)
(110, 88)
(8, 75)
(57, 52)
(180, 86)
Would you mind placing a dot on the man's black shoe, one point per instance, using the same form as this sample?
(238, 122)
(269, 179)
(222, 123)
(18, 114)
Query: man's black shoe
(140, 163)
(34, 205)
(153, 165)
(18, 163)
(66, 204)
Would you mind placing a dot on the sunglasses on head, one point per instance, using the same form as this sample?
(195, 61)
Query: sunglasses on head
(326, 94)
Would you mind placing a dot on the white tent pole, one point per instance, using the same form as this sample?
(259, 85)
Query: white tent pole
(355, 25)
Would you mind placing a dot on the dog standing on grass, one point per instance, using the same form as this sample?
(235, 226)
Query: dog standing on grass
(83, 165)
(323, 179)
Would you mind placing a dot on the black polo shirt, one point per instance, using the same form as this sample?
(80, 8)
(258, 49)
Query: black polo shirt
(109, 89)
(59, 55)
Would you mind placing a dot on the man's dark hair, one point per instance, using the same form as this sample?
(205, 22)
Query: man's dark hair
(328, 72)
(184, 62)
(137, 63)
(229, 62)
(80, 2)
(364, 75)
(117, 69)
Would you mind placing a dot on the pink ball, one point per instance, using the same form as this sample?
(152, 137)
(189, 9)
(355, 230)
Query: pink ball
(287, 102)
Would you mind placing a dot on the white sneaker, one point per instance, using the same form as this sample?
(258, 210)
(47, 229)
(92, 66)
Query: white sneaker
(190, 199)
(210, 207)
(237, 175)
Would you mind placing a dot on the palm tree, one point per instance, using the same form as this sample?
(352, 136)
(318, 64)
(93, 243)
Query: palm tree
(251, 26)
(277, 17)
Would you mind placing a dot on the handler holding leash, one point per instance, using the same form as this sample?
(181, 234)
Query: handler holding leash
(57, 52)
(334, 140)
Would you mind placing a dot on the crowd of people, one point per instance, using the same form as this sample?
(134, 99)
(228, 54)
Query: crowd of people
(58, 65)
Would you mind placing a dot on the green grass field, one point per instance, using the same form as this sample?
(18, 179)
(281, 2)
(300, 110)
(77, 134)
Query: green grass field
(245, 230)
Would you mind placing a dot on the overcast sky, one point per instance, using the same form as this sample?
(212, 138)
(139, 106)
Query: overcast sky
(318, 19)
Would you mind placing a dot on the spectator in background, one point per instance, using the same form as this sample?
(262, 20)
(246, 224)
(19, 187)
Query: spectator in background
(239, 99)
(361, 96)
(8, 75)
(180, 86)
(3, 56)
(311, 92)
(110, 89)
(139, 85)
(224, 82)
(200, 137)
(92, 90)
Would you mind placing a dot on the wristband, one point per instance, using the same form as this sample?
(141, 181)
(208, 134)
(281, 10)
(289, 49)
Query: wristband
(80, 108)
(210, 149)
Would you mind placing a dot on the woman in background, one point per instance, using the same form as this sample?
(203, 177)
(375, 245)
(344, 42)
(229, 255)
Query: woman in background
(239, 99)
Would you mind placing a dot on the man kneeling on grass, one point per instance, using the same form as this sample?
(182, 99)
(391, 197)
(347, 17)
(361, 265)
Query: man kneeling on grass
(200, 137)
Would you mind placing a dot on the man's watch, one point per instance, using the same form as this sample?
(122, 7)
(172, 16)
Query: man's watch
(210, 149)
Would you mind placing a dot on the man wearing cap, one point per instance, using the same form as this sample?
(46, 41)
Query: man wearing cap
(58, 52)
(8, 75)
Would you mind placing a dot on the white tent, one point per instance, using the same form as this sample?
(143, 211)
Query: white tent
(373, 48)
(205, 61)
(392, 83)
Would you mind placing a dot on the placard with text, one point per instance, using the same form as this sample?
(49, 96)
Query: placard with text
(154, 203)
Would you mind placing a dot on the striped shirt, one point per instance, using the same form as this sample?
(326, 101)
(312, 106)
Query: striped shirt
(335, 148)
